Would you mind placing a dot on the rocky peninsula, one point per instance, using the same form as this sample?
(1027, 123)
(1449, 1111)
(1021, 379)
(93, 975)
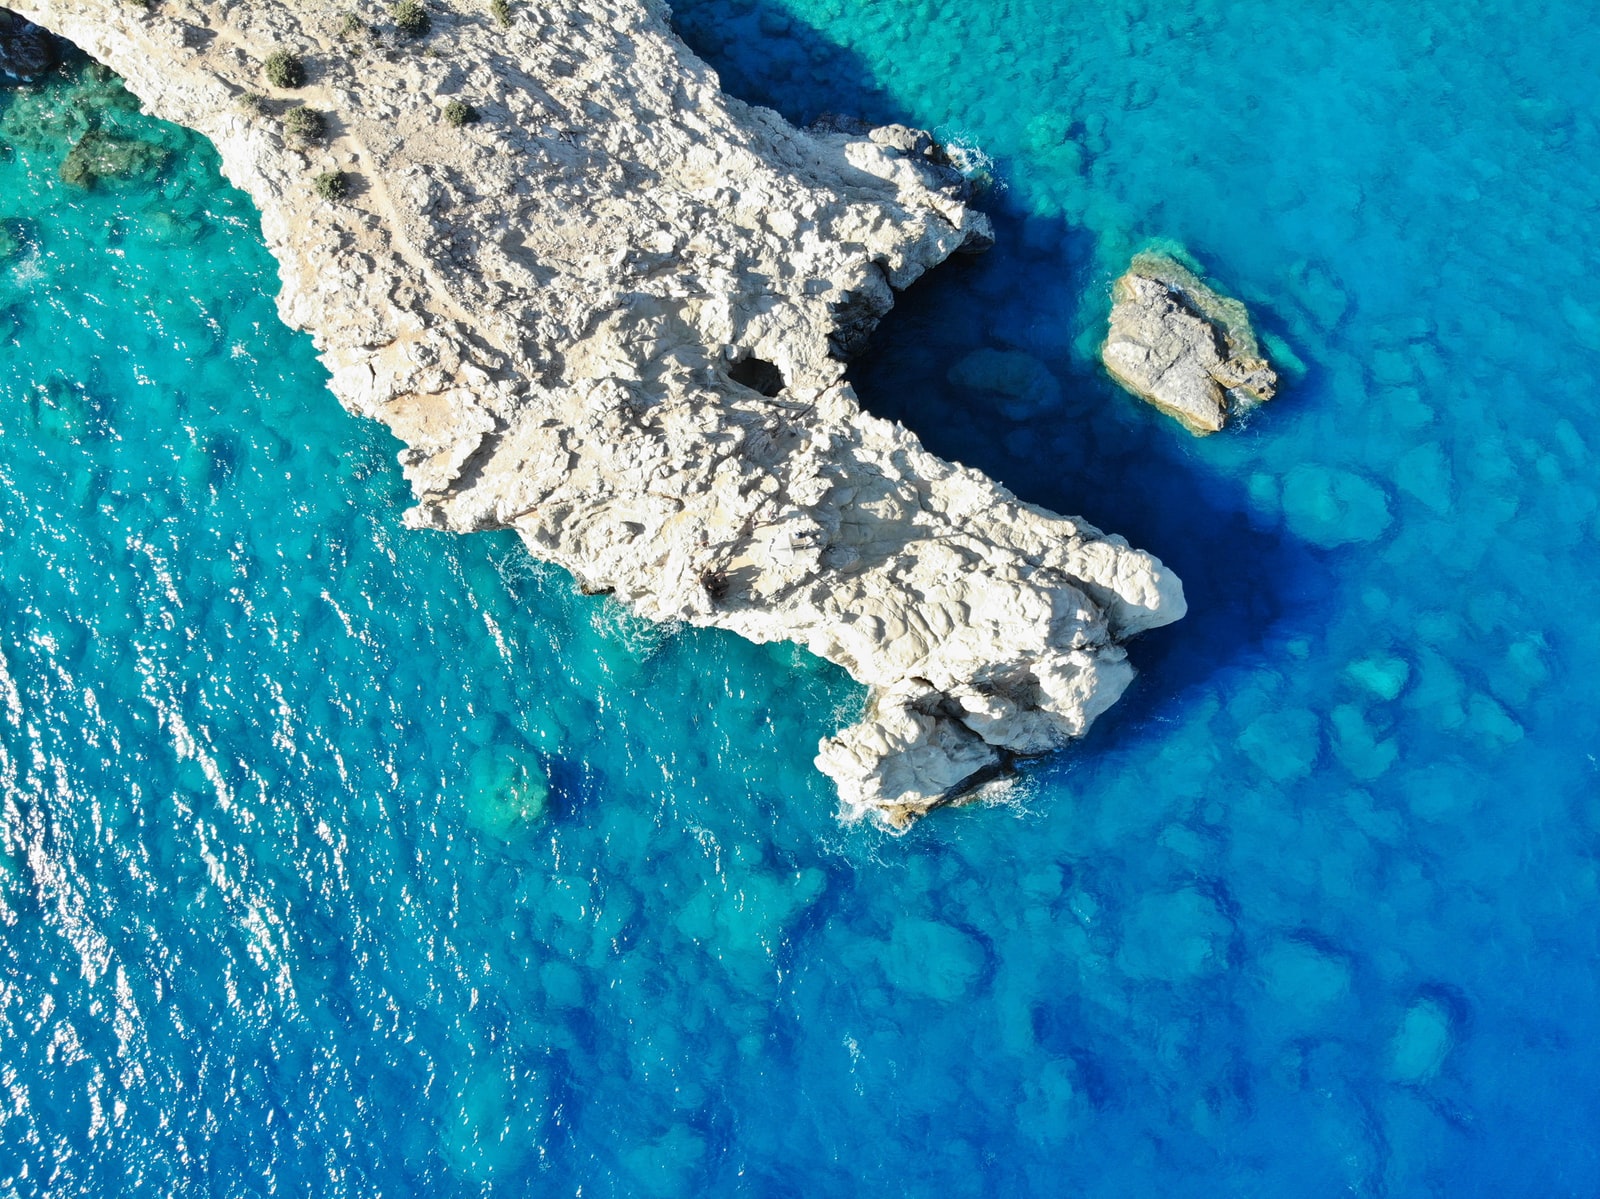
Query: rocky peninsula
(609, 307)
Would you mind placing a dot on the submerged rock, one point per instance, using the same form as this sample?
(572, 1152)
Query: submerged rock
(15, 236)
(1019, 385)
(505, 792)
(1178, 344)
(612, 315)
(27, 52)
(927, 958)
(65, 410)
(1303, 979)
(1174, 937)
(1422, 1042)
(1331, 507)
(99, 155)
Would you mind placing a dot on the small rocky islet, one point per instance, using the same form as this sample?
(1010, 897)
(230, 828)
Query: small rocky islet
(1183, 347)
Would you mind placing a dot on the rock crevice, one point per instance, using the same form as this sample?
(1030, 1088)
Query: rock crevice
(612, 316)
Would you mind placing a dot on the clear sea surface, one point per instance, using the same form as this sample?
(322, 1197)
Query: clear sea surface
(337, 859)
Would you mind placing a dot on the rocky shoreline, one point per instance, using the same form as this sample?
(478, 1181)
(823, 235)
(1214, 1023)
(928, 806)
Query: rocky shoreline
(609, 307)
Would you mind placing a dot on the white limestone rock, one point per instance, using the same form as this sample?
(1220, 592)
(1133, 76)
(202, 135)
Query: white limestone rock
(612, 316)
(1183, 347)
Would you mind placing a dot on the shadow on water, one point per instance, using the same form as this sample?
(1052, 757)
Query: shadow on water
(765, 56)
(1096, 452)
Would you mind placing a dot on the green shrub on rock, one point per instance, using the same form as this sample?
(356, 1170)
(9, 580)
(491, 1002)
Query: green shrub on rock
(306, 124)
(284, 69)
(458, 113)
(410, 18)
(331, 185)
(500, 10)
(253, 103)
(352, 27)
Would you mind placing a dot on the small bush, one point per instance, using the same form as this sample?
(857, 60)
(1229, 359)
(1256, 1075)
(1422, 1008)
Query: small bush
(331, 185)
(253, 103)
(284, 69)
(307, 124)
(500, 10)
(458, 113)
(410, 18)
(352, 28)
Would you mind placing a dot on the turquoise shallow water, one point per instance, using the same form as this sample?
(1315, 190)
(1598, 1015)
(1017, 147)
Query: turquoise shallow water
(1311, 913)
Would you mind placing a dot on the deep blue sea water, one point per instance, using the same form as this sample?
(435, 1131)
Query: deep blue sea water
(337, 859)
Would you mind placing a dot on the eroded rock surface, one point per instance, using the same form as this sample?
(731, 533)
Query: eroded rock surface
(610, 315)
(1183, 347)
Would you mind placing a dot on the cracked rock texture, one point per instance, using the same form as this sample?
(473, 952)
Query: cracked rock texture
(612, 316)
(1183, 347)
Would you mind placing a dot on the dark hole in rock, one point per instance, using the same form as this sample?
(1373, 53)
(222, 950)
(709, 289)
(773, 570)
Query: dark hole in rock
(716, 583)
(758, 375)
